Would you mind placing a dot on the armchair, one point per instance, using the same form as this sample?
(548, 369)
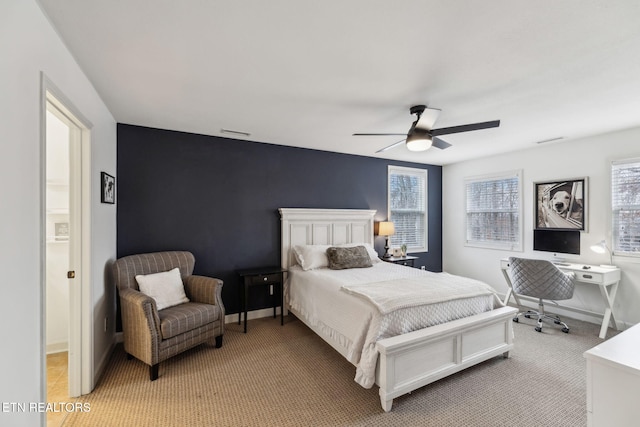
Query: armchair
(153, 335)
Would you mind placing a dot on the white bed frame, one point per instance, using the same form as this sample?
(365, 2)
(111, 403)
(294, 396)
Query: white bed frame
(410, 361)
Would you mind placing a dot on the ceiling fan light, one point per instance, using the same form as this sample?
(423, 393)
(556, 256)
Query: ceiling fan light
(419, 142)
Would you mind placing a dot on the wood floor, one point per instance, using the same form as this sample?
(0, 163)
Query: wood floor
(57, 385)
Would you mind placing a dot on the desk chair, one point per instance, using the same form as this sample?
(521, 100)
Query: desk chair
(540, 279)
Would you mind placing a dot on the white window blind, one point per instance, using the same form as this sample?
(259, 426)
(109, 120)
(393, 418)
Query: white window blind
(408, 207)
(625, 204)
(494, 211)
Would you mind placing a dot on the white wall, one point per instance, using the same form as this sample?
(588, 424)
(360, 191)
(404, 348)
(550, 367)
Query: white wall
(29, 46)
(588, 157)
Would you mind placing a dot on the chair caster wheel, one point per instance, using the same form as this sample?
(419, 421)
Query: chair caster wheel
(538, 329)
(528, 316)
(565, 330)
(557, 322)
(515, 319)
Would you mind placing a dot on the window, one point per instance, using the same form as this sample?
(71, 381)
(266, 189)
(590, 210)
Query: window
(625, 205)
(494, 211)
(408, 207)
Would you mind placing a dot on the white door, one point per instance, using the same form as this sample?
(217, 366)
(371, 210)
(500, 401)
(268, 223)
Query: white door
(65, 289)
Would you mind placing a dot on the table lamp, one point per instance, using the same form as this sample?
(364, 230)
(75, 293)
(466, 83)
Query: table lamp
(601, 248)
(386, 228)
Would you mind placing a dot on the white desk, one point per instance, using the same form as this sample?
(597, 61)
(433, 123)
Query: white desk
(607, 280)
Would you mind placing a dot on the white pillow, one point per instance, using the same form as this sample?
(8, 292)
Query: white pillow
(311, 256)
(166, 288)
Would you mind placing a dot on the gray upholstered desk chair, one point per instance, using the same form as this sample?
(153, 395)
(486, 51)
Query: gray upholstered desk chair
(540, 279)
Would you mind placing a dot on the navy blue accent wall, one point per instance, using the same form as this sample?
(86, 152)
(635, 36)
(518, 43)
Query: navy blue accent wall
(219, 198)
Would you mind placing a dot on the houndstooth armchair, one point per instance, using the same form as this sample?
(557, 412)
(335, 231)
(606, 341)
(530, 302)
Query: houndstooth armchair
(153, 335)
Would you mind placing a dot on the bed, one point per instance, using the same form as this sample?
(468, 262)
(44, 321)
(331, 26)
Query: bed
(396, 343)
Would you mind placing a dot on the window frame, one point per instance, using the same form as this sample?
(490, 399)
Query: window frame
(510, 246)
(615, 249)
(424, 173)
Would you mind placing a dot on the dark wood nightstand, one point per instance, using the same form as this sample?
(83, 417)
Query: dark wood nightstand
(272, 276)
(402, 260)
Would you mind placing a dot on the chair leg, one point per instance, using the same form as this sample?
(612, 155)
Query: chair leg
(540, 316)
(219, 341)
(153, 372)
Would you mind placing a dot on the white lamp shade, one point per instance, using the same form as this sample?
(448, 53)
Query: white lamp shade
(600, 247)
(386, 228)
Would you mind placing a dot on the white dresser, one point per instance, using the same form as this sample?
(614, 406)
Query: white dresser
(613, 381)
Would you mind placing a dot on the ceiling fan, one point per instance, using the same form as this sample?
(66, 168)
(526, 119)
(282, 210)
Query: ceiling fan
(422, 136)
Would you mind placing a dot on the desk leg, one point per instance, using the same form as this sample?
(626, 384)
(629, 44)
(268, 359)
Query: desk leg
(510, 292)
(608, 298)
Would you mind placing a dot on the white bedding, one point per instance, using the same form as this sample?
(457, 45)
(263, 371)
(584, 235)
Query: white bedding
(353, 325)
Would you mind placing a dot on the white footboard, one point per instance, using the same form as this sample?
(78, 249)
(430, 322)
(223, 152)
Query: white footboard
(413, 360)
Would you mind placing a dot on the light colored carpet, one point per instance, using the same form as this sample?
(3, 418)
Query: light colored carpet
(287, 376)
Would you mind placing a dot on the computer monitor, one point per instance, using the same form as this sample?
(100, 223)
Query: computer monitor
(558, 241)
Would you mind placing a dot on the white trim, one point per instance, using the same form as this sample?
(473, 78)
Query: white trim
(627, 256)
(81, 378)
(518, 247)
(57, 347)
(412, 171)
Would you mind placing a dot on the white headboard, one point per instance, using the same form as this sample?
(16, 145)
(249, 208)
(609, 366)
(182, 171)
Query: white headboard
(323, 227)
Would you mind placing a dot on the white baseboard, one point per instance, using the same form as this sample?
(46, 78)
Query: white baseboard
(254, 314)
(565, 310)
(229, 318)
(104, 361)
(57, 347)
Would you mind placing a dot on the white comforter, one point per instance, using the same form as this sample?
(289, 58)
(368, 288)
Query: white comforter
(353, 324)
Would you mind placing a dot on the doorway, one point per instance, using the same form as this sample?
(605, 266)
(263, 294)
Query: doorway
(66, 302)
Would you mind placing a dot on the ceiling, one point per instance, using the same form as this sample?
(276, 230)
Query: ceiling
(309, 74)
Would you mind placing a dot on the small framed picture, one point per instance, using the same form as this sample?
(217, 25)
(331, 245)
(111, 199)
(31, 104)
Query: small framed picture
(561, 204)
(108, 194)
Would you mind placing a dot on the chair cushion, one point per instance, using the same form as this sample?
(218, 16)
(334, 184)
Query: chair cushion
(186, 317)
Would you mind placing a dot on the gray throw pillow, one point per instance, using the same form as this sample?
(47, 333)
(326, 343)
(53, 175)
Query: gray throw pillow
(350, 257)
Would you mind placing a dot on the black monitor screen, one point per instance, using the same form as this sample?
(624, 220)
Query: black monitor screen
(560, 241)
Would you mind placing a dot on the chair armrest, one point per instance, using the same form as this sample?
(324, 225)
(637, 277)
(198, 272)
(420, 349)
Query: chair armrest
(140, 325)
(204, 289)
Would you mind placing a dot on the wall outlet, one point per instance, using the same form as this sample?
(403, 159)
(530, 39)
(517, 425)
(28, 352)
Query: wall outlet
(422, 267)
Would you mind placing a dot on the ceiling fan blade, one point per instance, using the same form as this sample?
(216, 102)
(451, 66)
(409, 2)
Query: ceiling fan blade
(379, 134)
(465, 128)
(428, 118)
(439, 143)
(389, 147)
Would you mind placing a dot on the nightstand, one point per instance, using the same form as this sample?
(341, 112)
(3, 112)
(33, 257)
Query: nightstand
(402, 260)
(271, 276)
